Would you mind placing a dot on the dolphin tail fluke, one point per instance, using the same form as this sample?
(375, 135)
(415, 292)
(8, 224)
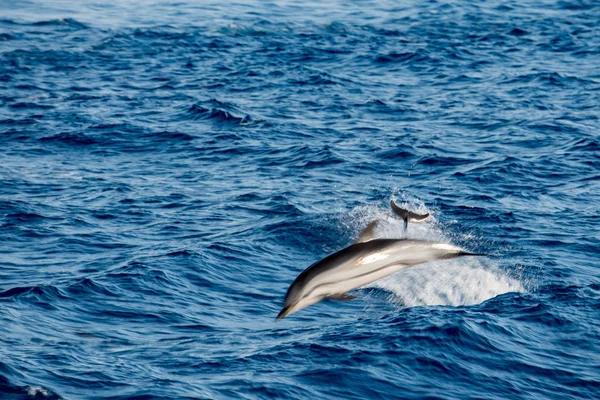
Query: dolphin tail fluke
(401, 212)
(407, 215)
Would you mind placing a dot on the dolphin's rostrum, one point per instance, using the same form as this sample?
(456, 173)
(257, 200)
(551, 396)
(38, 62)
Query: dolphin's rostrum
(359, 264)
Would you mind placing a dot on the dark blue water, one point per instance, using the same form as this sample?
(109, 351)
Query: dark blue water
(168, 168)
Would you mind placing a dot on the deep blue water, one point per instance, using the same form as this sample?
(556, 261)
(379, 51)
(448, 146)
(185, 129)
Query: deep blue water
(168, 168)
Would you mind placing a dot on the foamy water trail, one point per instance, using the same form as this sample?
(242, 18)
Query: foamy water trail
(462, 281)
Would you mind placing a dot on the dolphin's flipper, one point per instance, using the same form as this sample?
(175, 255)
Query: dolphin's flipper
(368, 233)
(341, 297)
(407, 215)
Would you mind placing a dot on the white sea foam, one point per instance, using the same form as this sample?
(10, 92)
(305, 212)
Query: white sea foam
(454, 283)
(37, 390)
(461, 281)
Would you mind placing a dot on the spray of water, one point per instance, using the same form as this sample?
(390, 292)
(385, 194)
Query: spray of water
(462, 281)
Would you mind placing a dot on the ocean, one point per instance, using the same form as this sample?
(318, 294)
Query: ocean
(168, 168)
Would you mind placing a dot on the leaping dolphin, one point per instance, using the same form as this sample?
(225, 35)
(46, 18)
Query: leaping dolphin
(363, 262)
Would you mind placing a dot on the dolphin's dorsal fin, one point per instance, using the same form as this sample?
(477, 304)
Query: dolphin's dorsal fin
(407, 215)
(368, 233)
(341, 297)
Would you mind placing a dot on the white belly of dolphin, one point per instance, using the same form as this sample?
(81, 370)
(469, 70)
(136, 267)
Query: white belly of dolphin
(354, 282)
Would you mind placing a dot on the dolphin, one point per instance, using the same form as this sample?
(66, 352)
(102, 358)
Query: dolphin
(365, 261)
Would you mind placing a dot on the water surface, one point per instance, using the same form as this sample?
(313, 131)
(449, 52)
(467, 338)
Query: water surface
(168, 168)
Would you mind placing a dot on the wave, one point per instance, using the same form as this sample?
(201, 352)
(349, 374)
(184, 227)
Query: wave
(61, 22)
(10, 391)
(28, 105)
(57, 22)
(547, 78)
(70, 139)
(399, 58)
(219, 112)
(43, 293)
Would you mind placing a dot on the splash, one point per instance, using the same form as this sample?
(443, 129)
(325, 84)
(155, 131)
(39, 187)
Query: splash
(457, 282)
(462, 281)
(37, 391)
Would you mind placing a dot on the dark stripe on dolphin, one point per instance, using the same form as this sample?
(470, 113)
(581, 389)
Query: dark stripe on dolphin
(450, 256)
